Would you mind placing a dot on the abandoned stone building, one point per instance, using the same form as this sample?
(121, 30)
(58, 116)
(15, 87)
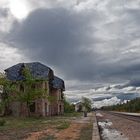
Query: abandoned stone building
(44, 79)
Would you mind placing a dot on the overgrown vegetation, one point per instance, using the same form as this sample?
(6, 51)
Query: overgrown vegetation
(86, 103)
(86, 132)
(63, 125)
(20, 128)
(68, 108)
(32, 92)
(131, 106)
(7, 87)
(49, 137)
(72, 114)
(2, 122)
(11, 92)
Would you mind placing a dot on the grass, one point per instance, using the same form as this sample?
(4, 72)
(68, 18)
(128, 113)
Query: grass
(73, 114)
(19, 128)
(63, 125)
(49, 137)
(18, 123)
(12, 122)
(37, 122)
(86, 132)
(2, 122)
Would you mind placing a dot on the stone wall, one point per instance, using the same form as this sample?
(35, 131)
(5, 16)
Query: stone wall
(43, 106)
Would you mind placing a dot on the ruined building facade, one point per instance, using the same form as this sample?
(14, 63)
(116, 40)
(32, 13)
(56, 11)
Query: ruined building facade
(45, 80)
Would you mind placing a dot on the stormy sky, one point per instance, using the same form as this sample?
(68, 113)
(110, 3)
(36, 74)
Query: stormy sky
(89, 43)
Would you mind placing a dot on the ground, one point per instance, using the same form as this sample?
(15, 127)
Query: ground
(118, 128)
(68, 127)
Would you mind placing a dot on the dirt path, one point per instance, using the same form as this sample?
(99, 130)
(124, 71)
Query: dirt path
(71, 133)
(37, 135)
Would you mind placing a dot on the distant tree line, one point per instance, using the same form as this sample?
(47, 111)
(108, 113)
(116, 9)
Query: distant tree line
(85, 106)
(130, 106)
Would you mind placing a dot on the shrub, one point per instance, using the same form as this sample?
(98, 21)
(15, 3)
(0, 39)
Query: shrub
(68, 108)
(2, 122)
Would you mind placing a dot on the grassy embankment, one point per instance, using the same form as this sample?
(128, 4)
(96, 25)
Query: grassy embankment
(19, 128)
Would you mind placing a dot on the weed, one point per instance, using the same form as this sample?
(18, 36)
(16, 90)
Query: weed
(63, 125)
(49, 137)
(2, 122)
(86, 133)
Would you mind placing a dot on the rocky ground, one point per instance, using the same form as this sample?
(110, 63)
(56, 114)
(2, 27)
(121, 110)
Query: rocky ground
(117, 128)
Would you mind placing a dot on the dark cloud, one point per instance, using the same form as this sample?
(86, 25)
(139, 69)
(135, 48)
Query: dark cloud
(6, 22)
(134, 82)
(4, 12)
(60, 38)
(97, 45)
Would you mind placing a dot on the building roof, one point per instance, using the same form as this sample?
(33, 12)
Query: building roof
(38, 71)
(58, 83)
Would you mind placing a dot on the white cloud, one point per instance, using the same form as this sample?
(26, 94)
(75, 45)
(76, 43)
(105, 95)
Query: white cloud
(115, 38)
(18, 8)
(131, 4)
(9, 56)
(101, 90)
(106, 102)
(129, 88)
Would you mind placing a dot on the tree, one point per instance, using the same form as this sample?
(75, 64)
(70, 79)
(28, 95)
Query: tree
(68, 108)
(87, 104)
(131, 106)
(7, 87)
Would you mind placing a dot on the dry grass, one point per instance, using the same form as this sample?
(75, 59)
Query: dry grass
(47, 128)
(20, 128)
(86, 132)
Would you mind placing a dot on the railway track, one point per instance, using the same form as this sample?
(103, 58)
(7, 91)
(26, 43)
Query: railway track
(127, 125)
(132, 117)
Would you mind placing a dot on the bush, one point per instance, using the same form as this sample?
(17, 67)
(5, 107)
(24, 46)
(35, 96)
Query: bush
(68, 108)
(2, 122)
(86, 103)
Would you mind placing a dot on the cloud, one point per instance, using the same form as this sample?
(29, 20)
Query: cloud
(6, 21)
(88, 42)
(92, 45)
(134, 82)
(9, 56)
(107, 102)
(60, 38)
